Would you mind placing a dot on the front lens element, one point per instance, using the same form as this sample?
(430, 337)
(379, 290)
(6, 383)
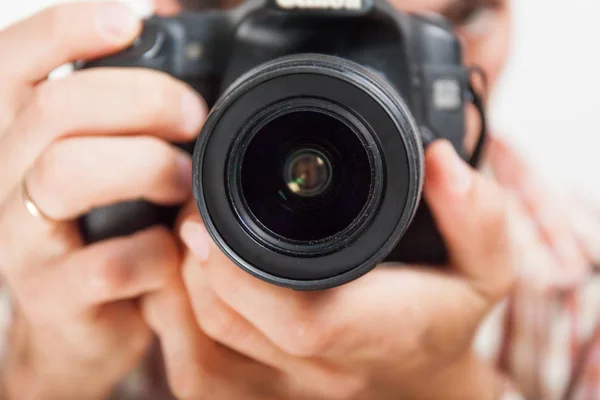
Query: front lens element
(305, 175)
(308, 173)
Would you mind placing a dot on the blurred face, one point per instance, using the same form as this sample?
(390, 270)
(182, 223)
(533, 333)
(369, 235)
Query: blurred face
(483, 26)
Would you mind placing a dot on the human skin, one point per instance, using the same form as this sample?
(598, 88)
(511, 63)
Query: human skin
(77, 143)
(229, 350)
(402, 333)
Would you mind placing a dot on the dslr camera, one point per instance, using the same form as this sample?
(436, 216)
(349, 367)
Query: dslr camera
(309, 170)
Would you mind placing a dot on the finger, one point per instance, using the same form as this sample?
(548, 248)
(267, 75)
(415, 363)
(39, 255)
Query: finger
(100, 102)
(63, 34)
(27, 241)
(115, 329)
(219, 321)
(225, 299)
(117, 269)
(197, 367)
(283, 315)
(223, 325)
(471, 213)
(168, 313)
(351, 321)
(546, 209)
(347, 321)
(122, 268)
(78, 174)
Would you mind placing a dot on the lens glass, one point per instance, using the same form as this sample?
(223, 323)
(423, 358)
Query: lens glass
(306, 176)
(307, 173)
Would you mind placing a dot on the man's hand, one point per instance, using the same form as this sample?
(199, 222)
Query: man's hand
(94, 138)
(400, 332)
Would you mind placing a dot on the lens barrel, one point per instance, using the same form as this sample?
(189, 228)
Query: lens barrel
(308, 171)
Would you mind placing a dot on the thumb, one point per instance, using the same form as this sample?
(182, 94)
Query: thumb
(471, 214)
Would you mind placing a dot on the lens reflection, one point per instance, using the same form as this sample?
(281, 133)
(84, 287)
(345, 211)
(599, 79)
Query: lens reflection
(308, 173)
(305, 176)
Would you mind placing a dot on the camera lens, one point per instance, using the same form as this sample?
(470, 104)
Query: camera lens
(305, 175)
(308, 171)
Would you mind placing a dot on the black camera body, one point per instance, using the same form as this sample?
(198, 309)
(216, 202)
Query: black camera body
(309, 169)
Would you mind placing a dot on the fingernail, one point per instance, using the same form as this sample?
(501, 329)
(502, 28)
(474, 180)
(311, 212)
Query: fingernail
(194, 112)
(458, 176)
(185, 171)
(196, 238)
(117, 22)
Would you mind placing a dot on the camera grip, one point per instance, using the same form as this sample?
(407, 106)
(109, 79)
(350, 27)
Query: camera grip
(123, 219)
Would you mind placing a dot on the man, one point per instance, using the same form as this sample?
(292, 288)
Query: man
(85, 316)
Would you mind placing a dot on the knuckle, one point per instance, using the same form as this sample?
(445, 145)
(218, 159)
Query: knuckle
(109, 276)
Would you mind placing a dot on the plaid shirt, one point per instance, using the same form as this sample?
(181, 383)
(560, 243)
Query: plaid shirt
(545, 337)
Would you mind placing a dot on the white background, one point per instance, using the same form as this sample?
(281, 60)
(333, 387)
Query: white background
(549, 98)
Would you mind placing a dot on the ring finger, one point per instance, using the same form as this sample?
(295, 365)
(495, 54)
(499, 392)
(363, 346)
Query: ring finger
(67, 181)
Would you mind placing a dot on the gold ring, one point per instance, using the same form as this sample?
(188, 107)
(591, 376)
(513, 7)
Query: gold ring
(30, 205)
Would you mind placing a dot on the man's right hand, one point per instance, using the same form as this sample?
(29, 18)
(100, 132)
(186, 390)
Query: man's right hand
(94, 138)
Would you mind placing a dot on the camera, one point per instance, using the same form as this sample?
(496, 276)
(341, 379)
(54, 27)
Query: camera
(309, 169)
